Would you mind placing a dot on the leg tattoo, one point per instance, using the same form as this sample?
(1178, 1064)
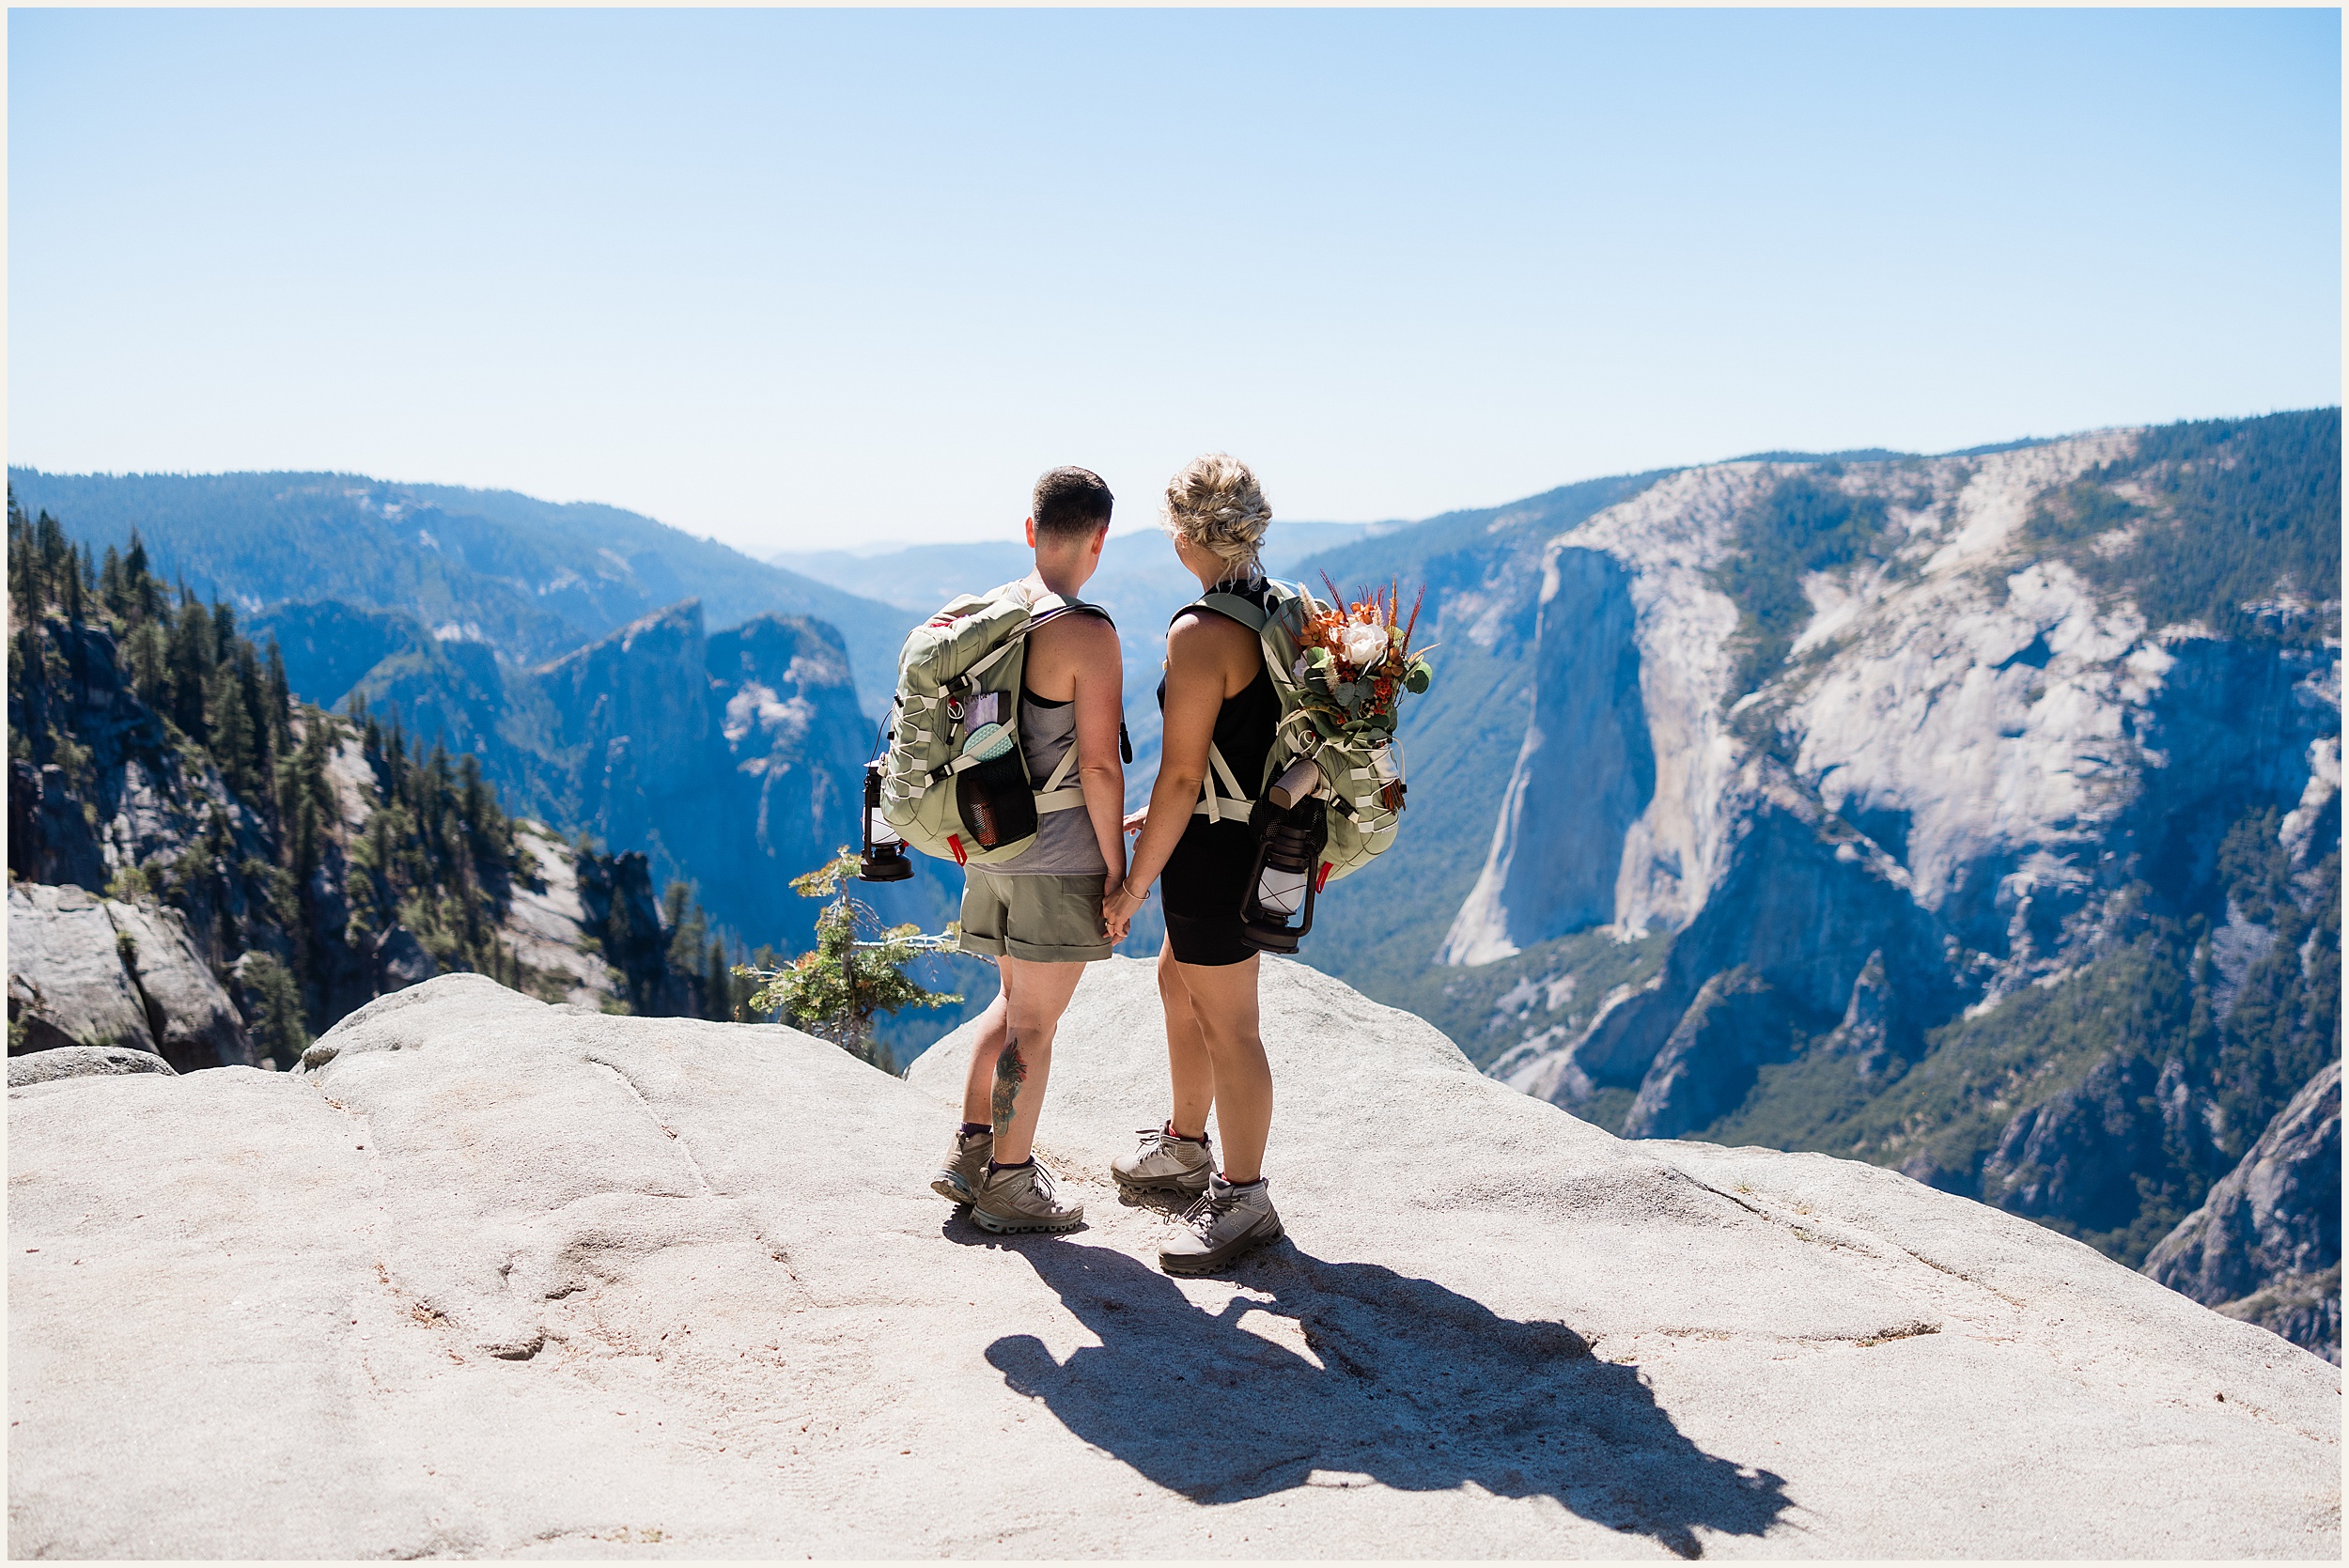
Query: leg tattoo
(1010, 1073)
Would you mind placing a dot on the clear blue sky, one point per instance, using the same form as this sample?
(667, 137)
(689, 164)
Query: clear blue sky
(805, 278)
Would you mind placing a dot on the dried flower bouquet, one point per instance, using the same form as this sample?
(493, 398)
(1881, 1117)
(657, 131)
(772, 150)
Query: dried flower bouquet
(1357, 661)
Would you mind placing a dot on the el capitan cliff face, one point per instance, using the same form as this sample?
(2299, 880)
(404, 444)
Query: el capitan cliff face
(1860, 868)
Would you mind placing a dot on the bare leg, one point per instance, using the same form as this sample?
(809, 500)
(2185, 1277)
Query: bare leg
(1222, 1002)
(1035, 996)
(978, 1083)
(1187, 1061)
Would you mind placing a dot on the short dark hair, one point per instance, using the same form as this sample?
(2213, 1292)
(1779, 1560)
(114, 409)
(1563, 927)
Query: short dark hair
(1070, 501)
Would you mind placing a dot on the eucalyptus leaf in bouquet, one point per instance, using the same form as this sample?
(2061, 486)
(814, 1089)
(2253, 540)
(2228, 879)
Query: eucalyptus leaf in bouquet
(1357, 659)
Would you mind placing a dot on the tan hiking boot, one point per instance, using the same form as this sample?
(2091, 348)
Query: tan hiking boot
(966, 1162)
(1165, 1163)
(1224, 1223)
(1021, 1199)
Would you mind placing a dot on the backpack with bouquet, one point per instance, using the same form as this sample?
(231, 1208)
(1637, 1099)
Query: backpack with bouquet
(1332, 795)
(954, 782)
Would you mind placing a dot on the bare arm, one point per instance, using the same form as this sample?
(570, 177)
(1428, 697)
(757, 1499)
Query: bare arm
(1092, 646)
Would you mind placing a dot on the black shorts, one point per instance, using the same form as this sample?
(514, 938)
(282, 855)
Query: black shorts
(1202, 888)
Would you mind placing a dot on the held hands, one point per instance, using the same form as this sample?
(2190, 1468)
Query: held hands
(1113, 923)
(1119, 905)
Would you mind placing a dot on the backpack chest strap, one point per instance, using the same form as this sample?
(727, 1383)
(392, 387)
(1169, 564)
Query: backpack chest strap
(1057, 793)
(1237, 806)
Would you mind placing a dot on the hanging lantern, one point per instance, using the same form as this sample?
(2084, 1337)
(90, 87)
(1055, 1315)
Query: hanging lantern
(1285, 878)
(884, 857)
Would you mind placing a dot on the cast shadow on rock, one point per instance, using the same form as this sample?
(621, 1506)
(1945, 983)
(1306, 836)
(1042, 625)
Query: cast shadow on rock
(1417, 1388)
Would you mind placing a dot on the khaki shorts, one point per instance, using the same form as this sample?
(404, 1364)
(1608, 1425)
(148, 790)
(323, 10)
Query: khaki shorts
(1038, 920)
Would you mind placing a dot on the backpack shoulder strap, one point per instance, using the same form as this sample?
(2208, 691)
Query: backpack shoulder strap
(1234, 607)
(1010, 632)
(1050, 607)
(1047, 608)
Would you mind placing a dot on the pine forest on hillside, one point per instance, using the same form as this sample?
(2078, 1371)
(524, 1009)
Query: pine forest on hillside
(120, 685)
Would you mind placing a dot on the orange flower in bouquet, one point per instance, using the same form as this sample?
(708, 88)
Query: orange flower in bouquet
(1357, 660)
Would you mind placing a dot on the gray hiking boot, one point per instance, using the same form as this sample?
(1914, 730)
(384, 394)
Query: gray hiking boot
(966, 1162)
(1225, 1222)
(1021, 1199)
(1165, 1163)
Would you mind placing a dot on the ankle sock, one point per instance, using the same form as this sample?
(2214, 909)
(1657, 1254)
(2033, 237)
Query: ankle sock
(972, 1129)
(992, 1167)
(1201, 1140)
(1239, 1186)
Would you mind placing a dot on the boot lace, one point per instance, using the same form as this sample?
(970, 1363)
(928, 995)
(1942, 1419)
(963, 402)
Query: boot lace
(1157, 1140)
(1040, 1183)
(1208, 1209)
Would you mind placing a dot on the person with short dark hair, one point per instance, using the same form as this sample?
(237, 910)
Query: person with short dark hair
(1039, 915)
(1071, 503)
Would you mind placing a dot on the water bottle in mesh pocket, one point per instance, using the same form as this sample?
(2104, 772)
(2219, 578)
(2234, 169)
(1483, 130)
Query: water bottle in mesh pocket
(994, 794)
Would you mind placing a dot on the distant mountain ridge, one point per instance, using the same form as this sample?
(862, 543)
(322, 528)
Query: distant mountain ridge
(531, 579)
(922, 577)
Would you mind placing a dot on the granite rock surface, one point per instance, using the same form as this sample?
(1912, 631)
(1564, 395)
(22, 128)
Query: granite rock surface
(44, 1066)
(84, 971)
(496, 1278)
(66, 984)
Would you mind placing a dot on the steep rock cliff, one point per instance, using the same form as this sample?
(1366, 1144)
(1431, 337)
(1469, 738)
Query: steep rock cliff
(734, 758)
(2265, 1245)
(732, 761)
(2020, 745)
(1482, 573)
(1624, 607)
(1984, 716)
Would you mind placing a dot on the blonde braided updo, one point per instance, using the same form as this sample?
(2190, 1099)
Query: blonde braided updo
(1216, 504)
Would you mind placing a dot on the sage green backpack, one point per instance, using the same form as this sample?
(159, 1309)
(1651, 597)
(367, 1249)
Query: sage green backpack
(958, 672)
(1361, 776)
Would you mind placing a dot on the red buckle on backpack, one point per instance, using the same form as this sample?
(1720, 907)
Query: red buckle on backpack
(954, 842)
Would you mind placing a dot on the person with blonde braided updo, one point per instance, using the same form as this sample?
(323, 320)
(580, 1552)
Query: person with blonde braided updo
(1216, 694)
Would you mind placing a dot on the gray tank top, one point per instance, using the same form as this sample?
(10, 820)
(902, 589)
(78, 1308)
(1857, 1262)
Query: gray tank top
(1065, 843)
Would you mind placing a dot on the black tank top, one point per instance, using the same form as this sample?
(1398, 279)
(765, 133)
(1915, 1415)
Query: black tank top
(1208, 870)
(1244, 725)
